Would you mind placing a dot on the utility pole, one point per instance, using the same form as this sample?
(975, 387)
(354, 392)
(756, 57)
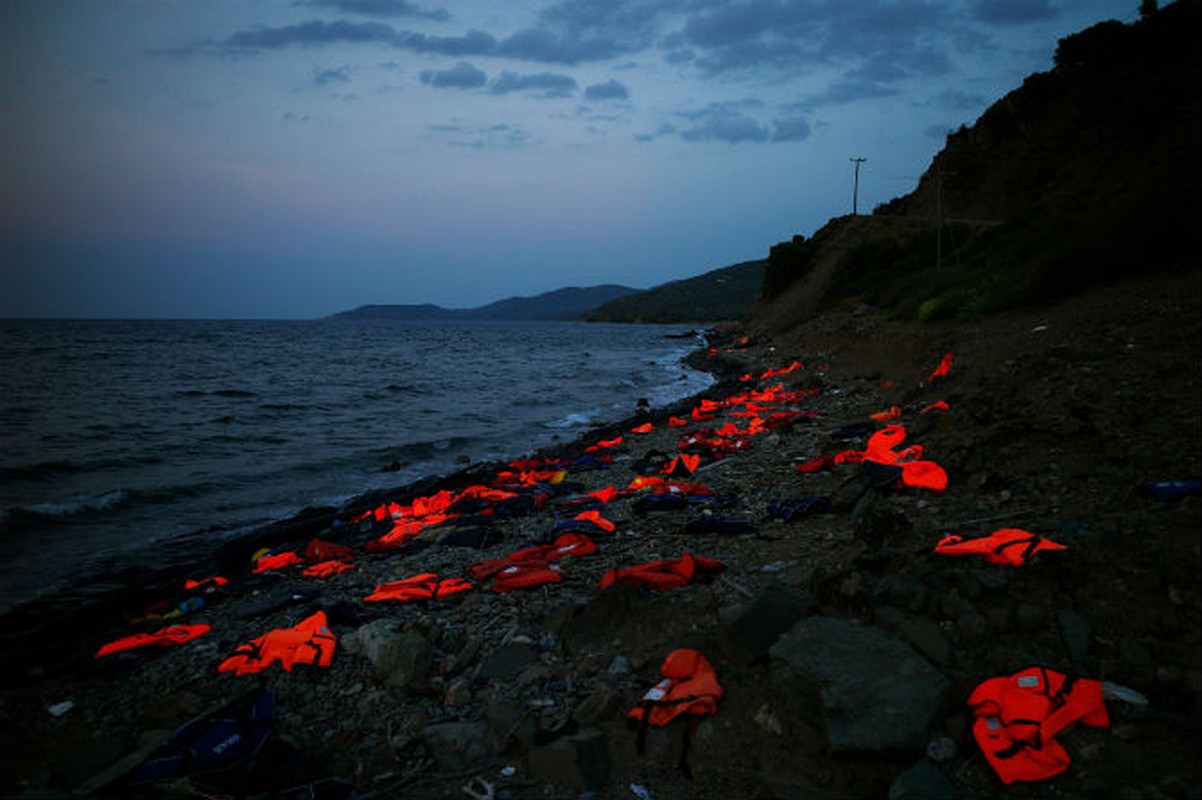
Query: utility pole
(855, 192)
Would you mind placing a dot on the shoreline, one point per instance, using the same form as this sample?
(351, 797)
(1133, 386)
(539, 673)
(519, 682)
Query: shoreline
(529, 689)
(92, 598)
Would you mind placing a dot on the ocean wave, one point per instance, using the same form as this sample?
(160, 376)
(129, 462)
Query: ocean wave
(71, 508)
(575, 420)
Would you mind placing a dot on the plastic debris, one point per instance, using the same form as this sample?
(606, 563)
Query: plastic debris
(58, 709)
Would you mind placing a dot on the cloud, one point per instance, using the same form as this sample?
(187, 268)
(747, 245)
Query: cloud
(842, 92)
(380, 8)
(323, 77)
(477, 138)
(724, 122)
(313, 32)
(549, 83)
(881, 41)
(960, 101)
(461, 76)
(791, 129)
(1012, 12)
(610, 90)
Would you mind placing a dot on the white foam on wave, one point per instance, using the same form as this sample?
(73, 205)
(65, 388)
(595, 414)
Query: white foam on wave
(578, 420)
(70, 508)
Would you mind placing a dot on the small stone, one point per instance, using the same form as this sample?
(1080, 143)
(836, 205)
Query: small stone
(768, 720)
(458, 695)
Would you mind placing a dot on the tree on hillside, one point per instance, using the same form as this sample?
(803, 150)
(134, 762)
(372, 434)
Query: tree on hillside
(1147, 8)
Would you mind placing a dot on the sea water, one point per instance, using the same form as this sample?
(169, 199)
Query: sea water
(130, 436)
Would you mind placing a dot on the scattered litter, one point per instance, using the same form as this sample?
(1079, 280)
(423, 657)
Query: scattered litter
(58, 709)
(1125, 694)
(1039, 328)
(487, 791)
(640, 791)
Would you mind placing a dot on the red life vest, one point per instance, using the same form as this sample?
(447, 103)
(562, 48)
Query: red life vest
(1017, 718)
(166, 637)
(662, 575)
(308, 642)
(426, 586)
(525, 574)
(1011, 546)
(318, 550)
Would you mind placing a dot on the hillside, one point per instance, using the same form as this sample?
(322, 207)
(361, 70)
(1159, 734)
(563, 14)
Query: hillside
(717, 295)
(568, 303)
(1082, 176)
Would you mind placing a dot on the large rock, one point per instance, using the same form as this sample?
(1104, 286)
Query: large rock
(458, 746)
(579, 762)
(866, 690)
(400, 658)
(770, 614)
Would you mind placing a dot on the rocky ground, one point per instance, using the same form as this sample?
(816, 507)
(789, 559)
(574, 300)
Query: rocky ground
(845, 647)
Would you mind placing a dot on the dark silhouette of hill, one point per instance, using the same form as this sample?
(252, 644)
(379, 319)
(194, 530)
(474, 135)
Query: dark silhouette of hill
(568, 303)
(1084, 175)
(721, 294)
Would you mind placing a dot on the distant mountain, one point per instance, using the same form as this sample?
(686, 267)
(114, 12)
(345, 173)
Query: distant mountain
(569, 303)
(718, 295)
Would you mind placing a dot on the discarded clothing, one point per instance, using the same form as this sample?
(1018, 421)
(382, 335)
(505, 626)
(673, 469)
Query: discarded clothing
(210, 743)
(1016, 719)
(426, 586)
(1011, 546)
(308, 642)
(718, 523)
(167, 637)
(790, 510)
(663, 575)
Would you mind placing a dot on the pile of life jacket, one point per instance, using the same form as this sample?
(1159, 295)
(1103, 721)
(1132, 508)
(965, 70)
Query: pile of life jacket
(664, 574)
(882, 449)
(426, 586)
(689, 688)
(310, 641)
(532, 566)
(1016, 719)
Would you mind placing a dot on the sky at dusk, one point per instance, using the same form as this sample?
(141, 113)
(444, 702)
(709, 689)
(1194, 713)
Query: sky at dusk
(296, 158)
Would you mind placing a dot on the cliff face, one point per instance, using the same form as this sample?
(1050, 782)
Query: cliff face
(1083, 175)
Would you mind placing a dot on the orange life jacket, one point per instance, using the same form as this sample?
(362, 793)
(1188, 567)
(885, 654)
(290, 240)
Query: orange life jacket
(1011, 546)
(1016, 719)
(689, 688)
(308, 642)
(685, 464)
(662, 575)
(941, 371)
(205, 585)
(646, 427)
(277, 561)
(426, 586)
(166, 637)
(324, 569)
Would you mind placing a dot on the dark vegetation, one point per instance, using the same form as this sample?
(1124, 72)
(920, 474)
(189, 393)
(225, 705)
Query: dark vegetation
(1083, 176)
(720, 294)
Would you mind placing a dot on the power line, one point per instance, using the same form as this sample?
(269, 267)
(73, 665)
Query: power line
(855, 192)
